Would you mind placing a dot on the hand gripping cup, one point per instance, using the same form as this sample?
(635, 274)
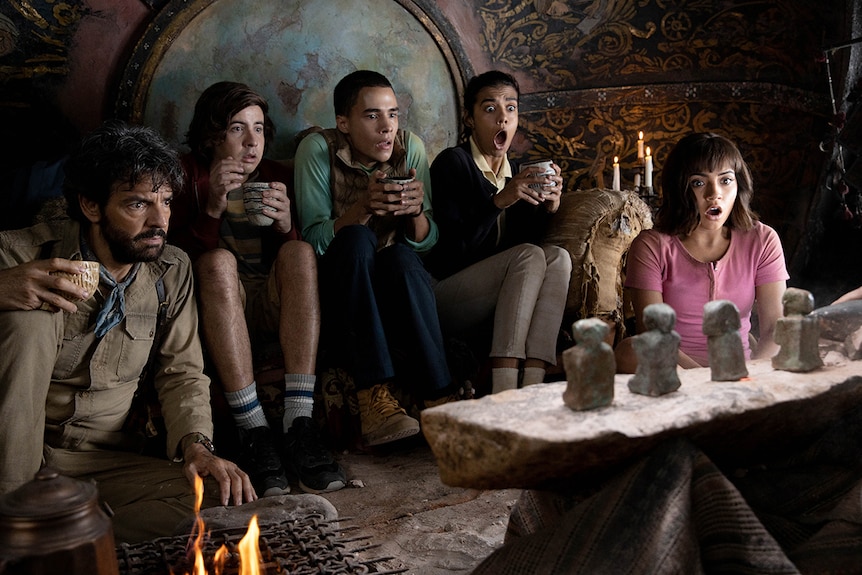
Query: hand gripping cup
(403, 180)
(252, 201)
(547, 170)
(89, 280)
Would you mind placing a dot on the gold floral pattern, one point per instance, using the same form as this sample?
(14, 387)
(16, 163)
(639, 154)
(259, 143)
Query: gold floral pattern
(609, 68)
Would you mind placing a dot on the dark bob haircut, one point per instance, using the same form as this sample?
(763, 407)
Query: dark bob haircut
(697, 153)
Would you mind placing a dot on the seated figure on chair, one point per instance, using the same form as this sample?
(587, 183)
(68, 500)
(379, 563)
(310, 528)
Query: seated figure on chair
(490, 262)
(255, 284)
(379, 313)
(707, 244)
(69, 371)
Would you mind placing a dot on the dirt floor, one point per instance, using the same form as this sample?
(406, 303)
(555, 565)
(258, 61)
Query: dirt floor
(395, 496)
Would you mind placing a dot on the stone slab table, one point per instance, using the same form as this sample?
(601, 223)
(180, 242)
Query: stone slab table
(528, 438)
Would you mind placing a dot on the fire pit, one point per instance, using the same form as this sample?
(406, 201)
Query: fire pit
(309, 545)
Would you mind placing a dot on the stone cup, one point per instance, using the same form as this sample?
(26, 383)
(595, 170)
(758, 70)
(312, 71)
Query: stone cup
(547, 170)
(89, 280)
(252, 201)
(402, 180)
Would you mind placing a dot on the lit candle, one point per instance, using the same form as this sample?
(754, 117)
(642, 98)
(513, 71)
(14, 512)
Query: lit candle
(640, 145)
(648, 169)
(616, 184)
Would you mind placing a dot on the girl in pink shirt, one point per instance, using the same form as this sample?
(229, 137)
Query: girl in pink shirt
(707, 244)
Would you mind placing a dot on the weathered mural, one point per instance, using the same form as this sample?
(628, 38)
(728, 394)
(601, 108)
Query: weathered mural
(294, 54)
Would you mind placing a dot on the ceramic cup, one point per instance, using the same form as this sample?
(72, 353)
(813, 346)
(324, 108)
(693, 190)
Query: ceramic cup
(89, 280)
(403, 180)
(252, 201)
(547, 170)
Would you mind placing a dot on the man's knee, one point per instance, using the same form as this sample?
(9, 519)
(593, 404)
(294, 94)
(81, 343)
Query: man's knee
(215, 264)
(399, 258)
(357, 240)
(296, 257)
(38, 332)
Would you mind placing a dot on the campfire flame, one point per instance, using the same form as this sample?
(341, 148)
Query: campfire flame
(198, 530)
(249, 550)
(248, 547)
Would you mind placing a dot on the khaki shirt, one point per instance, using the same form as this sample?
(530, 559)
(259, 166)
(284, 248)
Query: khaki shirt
(93, 381)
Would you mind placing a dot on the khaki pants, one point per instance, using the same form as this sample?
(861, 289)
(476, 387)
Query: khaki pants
(149, 496)
(523, 288)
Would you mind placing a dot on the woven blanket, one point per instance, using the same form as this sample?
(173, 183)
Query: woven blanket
(675, 511)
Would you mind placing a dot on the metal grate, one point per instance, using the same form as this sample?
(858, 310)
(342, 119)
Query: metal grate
(305, 546)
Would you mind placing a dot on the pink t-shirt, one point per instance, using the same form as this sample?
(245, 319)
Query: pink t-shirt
(659, 262)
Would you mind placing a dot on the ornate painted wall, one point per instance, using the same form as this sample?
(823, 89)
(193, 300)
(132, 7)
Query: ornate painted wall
(592, 72)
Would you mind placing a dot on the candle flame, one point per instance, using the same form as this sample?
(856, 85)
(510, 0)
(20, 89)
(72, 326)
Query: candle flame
(648, 152)
(616, 159)
(640, 135)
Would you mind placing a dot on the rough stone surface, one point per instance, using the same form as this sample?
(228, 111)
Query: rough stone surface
(853, 345)
(267, 509)
(528, 438)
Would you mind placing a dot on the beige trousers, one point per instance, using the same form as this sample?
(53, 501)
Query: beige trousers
(524, 288)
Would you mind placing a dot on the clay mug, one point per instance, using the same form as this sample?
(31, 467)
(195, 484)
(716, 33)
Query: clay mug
(547, 170)
(252, 201)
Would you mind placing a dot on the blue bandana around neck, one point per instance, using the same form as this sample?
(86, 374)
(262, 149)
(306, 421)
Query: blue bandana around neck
(114, 309)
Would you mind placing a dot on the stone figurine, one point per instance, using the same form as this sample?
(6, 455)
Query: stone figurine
(590, 366)
(726, 355)
(797, 333)
(657, 351)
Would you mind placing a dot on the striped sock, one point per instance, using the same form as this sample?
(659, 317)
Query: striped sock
(245, 407)
(298, 397)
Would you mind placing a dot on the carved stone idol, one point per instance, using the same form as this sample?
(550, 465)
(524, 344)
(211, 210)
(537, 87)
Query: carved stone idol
(590, 366)
(726, 354)
(657, 351)
(797, 333)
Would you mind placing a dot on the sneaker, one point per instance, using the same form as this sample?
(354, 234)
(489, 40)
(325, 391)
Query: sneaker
(309, 461)
(383, 420)
(465, 392)
(259, 458)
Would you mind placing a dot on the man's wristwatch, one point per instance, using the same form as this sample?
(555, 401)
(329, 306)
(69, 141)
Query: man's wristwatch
(193, 438)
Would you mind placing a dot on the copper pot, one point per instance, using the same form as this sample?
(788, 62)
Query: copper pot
(54, 524)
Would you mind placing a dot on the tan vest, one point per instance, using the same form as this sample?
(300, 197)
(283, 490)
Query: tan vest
(348, 181)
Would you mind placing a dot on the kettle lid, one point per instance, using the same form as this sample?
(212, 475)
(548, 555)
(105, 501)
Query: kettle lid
(47, 496)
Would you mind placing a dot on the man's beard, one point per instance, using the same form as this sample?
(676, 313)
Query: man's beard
(124, 248)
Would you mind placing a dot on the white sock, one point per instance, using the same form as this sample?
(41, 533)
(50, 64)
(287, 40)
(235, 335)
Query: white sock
(533, 375)
(503, 378)
(245, 407)
(298, 397)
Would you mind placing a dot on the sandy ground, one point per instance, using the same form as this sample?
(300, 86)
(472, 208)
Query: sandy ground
(428, 528)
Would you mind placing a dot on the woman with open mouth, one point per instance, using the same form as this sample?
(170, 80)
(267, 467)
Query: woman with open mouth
(488, 263)
(707, 244)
